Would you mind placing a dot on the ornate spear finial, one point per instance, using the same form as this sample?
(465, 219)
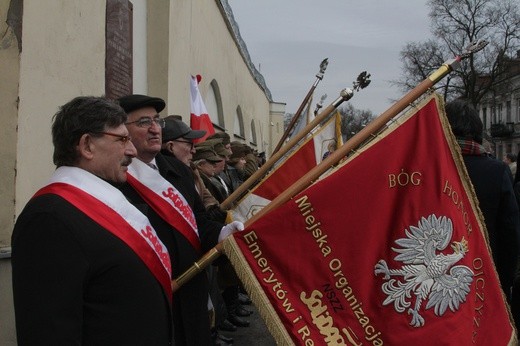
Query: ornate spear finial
(319, 105)
(323, 67)
(473, 47)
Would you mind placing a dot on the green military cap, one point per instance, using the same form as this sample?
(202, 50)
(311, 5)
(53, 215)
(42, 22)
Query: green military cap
(206, 153)
(216, 144)
(221, 150)
(209, 143)
(221, 135)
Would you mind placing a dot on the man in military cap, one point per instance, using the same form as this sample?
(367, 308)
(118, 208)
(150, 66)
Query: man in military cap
(206, 160)
(217, 179)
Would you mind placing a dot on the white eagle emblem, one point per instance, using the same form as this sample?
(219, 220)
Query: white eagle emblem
(427, 274)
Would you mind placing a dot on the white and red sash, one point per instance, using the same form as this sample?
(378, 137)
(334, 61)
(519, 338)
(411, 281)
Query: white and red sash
(165, 200)
(109, 208)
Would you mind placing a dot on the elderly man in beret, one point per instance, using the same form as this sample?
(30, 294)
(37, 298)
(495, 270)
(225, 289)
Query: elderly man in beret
(163, 188)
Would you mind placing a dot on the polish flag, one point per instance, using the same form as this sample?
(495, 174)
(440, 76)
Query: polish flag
(199, 119)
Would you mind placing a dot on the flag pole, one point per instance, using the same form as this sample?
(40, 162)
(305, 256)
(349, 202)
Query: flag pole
(338, 154)
(346, 94)
(296, 116)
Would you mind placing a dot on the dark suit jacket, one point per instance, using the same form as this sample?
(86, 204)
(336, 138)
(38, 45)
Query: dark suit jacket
(214, 187)
(76, 283)
(190, 311)
(492, 181)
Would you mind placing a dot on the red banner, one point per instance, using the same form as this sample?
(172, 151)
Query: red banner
(387, 250)
(289, 169)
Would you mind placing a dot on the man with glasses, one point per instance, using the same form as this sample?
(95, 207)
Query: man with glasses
(84, 271)
(163, 187)
(177, 138)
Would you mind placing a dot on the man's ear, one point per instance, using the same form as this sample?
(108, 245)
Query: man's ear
(85, 146)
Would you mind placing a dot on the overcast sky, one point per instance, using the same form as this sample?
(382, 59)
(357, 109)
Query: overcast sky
(288, 39)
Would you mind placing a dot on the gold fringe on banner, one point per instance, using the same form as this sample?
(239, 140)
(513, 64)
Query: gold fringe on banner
(257, 295)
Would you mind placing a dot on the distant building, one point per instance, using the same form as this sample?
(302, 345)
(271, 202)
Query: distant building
(500, 111)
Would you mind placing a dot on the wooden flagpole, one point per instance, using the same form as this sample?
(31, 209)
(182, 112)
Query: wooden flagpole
(296, 116)
(362, 81)
(305, 181)
(345, 95)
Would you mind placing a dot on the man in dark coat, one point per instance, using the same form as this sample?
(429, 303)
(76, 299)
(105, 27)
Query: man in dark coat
(189, 236)
(492, 181)
(83, 272)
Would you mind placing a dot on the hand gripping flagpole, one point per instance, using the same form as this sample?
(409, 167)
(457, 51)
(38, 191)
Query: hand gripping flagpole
(362, 81)
(296, 116)
(311, 176)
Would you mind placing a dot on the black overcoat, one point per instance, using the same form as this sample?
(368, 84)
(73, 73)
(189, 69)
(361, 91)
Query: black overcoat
(492, 181)
(75, 283)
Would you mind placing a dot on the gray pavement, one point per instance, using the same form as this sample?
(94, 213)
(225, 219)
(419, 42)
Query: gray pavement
(254, 335)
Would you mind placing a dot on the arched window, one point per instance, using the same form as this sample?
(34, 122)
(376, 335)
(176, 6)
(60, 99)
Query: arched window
(213, 104)
(238, 126)
(253, 132)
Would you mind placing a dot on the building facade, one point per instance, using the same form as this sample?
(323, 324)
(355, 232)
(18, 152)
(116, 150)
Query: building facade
(500, 111)
(52, 51)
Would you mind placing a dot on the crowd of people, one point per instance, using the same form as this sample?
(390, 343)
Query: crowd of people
(128, 209)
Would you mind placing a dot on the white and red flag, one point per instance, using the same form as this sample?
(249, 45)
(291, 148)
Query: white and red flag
(389, 249)
(199, 119)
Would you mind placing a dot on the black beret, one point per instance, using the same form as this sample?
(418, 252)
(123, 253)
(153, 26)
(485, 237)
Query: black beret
(132, 102)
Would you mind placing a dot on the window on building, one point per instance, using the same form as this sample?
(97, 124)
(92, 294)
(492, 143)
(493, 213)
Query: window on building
(494, 114)
(508, 112)
(213, 104)
(499, 113)
(484, 116)
(238, 126)
(518, 110)
(253, 132)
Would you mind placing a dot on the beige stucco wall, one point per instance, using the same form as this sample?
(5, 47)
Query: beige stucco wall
(200, 43)
(63, 56)
(9, 77)
(9, 74)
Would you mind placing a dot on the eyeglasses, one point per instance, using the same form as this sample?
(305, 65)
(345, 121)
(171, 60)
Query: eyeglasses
(148, 122)
(187, 142)
(121, 138)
